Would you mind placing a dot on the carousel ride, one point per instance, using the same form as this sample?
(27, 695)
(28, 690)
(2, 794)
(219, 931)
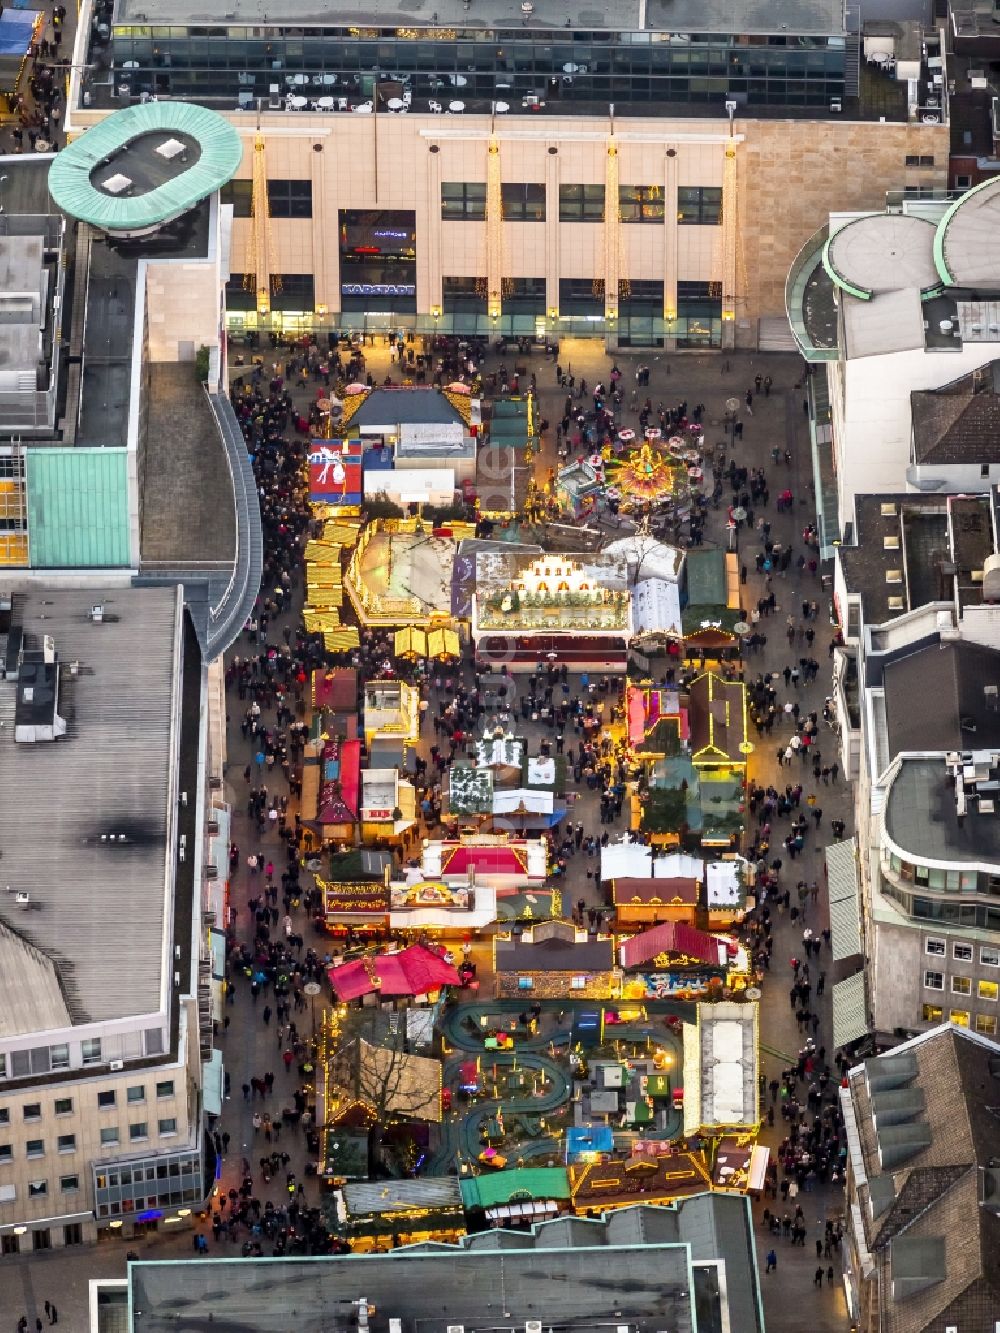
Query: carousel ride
(646, 476)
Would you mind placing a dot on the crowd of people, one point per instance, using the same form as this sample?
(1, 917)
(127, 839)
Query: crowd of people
(269, 959)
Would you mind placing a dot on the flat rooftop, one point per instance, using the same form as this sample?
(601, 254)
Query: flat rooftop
(922, 817)
(187, 497)
(643, 1286)
(96, 910)
(800, 17)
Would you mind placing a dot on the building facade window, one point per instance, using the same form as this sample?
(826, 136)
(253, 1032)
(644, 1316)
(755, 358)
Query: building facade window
(522, 202)
(962, 953)
(136, 1093)
(90, 1051)
(168, 1125)
(6, 1153)
(73, 1233)
(912, 160)
(933, 981)
(581, 203)
(59, 1056)
(37, 1188)
(932, 1013)
(699, 205)
(34, 1148)
(64, 1106)
(292, 291)
(240, 195)
(290, 198)
(41, 1237)
(140, 1130)
(581, 297)
(165, 1088)
(66, 1143)
(960, 1017)
(524, 296)
(167, 1181)
(106, 1099)
(989, 957)
(936, 947)
(69, 1184)
(988, 990)
(986, 1025)
(463, 201)
(109, 1136)
(961, 985)
(32, 1111)
(4, 1115)
(463, 296)
(641, 203)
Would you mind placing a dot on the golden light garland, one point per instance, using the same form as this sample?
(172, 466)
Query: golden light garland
(612, 230)
(494, 229)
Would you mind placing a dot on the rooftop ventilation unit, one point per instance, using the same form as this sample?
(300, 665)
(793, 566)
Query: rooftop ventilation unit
(117, 184)
(888, 510)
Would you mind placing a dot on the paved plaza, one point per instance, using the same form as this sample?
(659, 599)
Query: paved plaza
(792, 1301)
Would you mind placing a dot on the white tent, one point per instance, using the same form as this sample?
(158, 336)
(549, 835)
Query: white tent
(656, 607)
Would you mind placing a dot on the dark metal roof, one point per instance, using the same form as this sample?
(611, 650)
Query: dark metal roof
(393, 406)
(921, 817)
(955, 676)
(555, 955)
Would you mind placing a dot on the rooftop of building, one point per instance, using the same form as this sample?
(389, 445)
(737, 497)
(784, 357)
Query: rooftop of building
(93, 904)
(961, 678)
(912, 549)
(959, 422)
(660, 1262)
(921, 1122)
(389, 408)
(882, 252)
(554, 946)
(802, 17)
(187, 510)
(175, 155)
(922, 814)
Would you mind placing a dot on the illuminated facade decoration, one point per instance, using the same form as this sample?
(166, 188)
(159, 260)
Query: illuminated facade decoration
(718, 711)
(575, 607)
(399, 574)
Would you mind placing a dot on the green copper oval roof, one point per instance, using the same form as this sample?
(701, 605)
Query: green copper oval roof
(70, 174)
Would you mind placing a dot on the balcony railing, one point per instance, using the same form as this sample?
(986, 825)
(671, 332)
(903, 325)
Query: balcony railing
(804, 265)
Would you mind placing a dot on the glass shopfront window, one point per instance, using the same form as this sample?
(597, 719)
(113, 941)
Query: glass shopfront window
(224, 64)
(581, 296)
(378, 260)
(463, 296)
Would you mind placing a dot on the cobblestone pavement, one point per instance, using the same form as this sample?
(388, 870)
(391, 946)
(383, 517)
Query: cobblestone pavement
(792, 1302)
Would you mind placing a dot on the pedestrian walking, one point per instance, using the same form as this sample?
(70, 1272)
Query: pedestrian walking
(772, 1261)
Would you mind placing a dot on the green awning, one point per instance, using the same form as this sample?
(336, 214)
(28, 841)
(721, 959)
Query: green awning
(845, 907)
(850, 1012)
(213, 1084)
(526, 1182)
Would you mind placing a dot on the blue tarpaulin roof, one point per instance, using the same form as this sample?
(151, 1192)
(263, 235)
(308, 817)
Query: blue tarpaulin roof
(584, 1138)
(17, 27)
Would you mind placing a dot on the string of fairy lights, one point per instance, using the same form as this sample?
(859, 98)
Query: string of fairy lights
(260, 243)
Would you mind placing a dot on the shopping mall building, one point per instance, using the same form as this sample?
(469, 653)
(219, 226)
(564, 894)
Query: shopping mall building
(640, 172)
